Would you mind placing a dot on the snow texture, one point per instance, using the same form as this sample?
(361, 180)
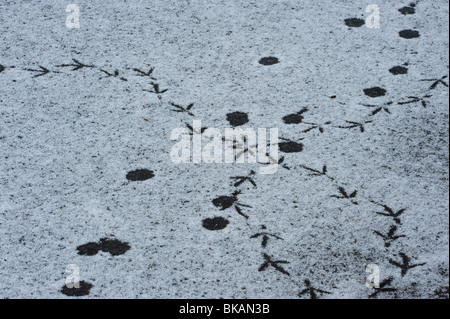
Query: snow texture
(86, 177)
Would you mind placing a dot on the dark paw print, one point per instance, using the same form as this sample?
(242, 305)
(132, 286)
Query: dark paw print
(295, 118)
(237, 118)
(113, 246)
(396, 70)
(216, 223)
(270, 60)
(290, 146)
(409, 34)
(140, 175)
(83, 290)
(224, 202)
(375, 92)
(408, 9)
(354, 22)
(89, 249)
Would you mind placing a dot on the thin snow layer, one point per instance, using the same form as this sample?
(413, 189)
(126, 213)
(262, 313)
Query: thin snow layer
(86, 177)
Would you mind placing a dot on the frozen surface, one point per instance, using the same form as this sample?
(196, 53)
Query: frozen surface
(71, 135)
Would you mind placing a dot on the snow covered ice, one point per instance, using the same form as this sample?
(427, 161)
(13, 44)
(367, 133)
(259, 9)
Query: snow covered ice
(86, 178)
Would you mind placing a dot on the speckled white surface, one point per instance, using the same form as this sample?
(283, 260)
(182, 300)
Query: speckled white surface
(69, 137)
